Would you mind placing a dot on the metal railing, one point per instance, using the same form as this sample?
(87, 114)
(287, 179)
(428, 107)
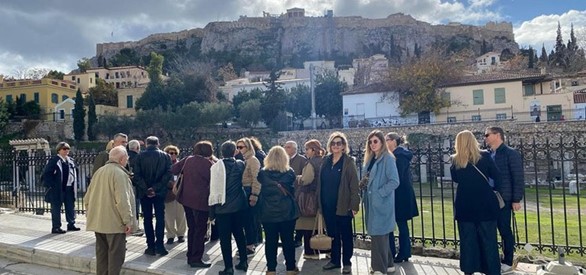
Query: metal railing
(553, 205)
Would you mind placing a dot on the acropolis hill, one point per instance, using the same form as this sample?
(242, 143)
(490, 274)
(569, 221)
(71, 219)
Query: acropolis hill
(316, 37)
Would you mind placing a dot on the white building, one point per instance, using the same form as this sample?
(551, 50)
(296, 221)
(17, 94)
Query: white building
(488, 62)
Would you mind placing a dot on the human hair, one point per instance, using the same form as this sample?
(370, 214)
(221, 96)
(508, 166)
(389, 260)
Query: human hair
(292, 143)
(152, 140)
(497, 130)
(338, 134)
(248, 143)
(168, 148)
(203, 148)
(277, 159)
(368, 153)
(117, 153)
(315, 145)
(110, 145)
(62, 145)
(467, 149)
(228, 148)
(134, 145)
(400, 140)
(120, 135)
(256, 143)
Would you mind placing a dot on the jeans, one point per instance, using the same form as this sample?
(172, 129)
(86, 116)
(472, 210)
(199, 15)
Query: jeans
(68, 200)
(228, 225)
(154, 237)
(340, 229)
(404, 241)
(504, 227)
(273, 231)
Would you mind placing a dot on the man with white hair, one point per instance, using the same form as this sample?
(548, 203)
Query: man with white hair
(133, 150)
(110, 211)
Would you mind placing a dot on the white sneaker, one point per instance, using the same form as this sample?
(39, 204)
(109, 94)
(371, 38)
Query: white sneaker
(506, 269)
(391, 269)
(377, 273)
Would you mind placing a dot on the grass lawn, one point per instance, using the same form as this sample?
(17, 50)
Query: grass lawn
(549, 224)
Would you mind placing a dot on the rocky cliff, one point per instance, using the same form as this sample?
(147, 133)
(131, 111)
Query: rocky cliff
(307, 38)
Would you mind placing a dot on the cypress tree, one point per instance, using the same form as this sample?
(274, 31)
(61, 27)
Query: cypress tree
(78, 117)
(91, 118)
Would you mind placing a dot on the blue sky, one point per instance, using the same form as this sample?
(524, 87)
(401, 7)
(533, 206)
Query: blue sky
(55, 34)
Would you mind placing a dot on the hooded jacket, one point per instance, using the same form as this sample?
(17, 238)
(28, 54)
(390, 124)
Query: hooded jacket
(405, 203)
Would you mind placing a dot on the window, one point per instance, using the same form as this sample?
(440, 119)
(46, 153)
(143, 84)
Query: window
(501, 116)
(499, 95)
(129, 102)
(78, 81)
(91, 80)
(117, 75)
(61, 114)
(36, 96)
(64, 97)
(476, 118)
(478, 97)
(9, 99)
(345, 111)
(451, 119)
(97, 75)
(23, 98)
(528, 90)
(54, 98)
(73, 78)
(493, 60)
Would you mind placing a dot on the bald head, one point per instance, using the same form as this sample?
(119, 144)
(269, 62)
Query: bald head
(119, 155)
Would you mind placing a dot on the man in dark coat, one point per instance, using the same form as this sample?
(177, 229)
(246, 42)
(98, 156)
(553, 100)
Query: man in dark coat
(60, 177)
(297, 162)
(510, 164)
(152, 172)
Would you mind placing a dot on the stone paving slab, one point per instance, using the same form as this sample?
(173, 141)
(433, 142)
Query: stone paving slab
(25, 238)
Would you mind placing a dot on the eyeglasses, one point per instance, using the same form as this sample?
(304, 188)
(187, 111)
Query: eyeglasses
(65, 149)
(337, 143)
(486, 135)
(240, 147)
(374, 141)
(172, 153)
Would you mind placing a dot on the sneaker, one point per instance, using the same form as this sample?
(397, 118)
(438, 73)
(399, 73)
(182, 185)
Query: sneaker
(347, 269)
(150, 251)
(377, 273)
(391, 269)
(506, 269)
(138, 233)
(311, 256)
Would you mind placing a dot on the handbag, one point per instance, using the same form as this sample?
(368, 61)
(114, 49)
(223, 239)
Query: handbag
(48, 195)
(320, 241)
(178, 185)
(499, 198)
(295, 205)
(307, 201)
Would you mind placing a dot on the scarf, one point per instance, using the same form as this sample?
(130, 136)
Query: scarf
(217, 184)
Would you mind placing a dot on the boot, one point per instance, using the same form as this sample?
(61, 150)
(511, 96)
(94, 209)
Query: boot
(293, 272)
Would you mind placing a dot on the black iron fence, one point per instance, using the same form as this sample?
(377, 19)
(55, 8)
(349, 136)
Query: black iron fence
(555, 173)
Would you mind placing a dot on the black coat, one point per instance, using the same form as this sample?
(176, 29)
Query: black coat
(475, 199)
(405, 204)
(52, 179)
(275, 205)
(510, 163)
(235, 196)
(152, 169)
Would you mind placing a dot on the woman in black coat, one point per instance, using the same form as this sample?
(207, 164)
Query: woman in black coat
(476, 207)
(60, 179)
(405, 204)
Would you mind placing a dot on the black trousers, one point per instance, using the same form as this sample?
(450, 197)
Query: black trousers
(228, 225)
(196, 231)
(273, 231)
(504, 227)
(340, 229)
(478, 247)
(154, 236)
(68, 200)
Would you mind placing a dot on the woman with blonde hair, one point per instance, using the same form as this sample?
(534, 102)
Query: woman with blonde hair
(278, 208)
(476, 207)
(382, 179)
(252, 188)
(306, 195)
(342, 201)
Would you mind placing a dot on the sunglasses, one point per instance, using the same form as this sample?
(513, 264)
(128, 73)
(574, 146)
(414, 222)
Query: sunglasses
(374, 141)
(240, 147)
(337, 143)
(486, 135)
(65, 149)
(172, 153)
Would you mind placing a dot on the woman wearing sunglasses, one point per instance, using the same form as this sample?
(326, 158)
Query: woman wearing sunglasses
(379, 200)
(338, 172)
(175, 223)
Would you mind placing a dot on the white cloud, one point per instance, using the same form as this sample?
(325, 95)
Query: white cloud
(542, 30)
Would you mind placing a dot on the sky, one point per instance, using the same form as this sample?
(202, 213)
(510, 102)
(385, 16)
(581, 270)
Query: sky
(55, 34)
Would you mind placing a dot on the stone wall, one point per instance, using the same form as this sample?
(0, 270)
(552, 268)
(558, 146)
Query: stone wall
(439, 133)
(53, 131)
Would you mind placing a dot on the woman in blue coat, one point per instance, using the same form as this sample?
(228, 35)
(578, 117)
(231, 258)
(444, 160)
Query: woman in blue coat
(405, 205)
(379, 200)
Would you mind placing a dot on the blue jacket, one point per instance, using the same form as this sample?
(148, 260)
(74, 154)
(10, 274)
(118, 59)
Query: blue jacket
(510, 164)
(379, 198)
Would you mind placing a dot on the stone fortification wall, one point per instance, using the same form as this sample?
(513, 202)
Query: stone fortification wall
(438, 133)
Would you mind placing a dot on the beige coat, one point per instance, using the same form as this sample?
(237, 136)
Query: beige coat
(249, 177)
(109, 201)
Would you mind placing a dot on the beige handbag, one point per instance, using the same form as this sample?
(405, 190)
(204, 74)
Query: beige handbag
(320, 241)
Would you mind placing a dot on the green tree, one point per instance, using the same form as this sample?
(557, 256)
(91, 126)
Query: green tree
(273, 101)
(418, 83)
(126, 57)
(104, 93)
(92, 118)
(78, 117)
(531, 58)
(328, 98)
(154, 94)
(300, 103)
(543, 59)
(84, 64)
(4, 115)
(243, 96)
(109, 125)
(559, 58)
(212, 113)
(55, 75)
(249, 114)
(155, 68)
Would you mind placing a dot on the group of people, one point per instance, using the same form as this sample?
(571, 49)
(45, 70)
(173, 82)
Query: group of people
(247, 192)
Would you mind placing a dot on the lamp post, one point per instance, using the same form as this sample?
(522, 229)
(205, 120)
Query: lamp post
(312, 88)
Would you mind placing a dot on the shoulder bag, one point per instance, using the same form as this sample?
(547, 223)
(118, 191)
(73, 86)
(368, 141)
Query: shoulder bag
(320, 241)
(496, 193)
(178, 186)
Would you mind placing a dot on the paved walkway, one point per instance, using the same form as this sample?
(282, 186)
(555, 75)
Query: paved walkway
(25, 238)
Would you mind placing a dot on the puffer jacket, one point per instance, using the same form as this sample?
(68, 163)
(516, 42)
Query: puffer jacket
(275, 205)
(510, 163)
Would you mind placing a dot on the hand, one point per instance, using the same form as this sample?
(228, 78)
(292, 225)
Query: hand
(354, 213)
(252, 202)
(516, 206)
(127, 229)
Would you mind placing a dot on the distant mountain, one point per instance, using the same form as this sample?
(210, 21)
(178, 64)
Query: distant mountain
(263, 42)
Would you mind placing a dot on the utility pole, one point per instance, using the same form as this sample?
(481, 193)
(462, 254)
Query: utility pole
(312, 88)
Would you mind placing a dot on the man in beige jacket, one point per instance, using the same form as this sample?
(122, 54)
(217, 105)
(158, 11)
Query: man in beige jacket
(110, 208)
